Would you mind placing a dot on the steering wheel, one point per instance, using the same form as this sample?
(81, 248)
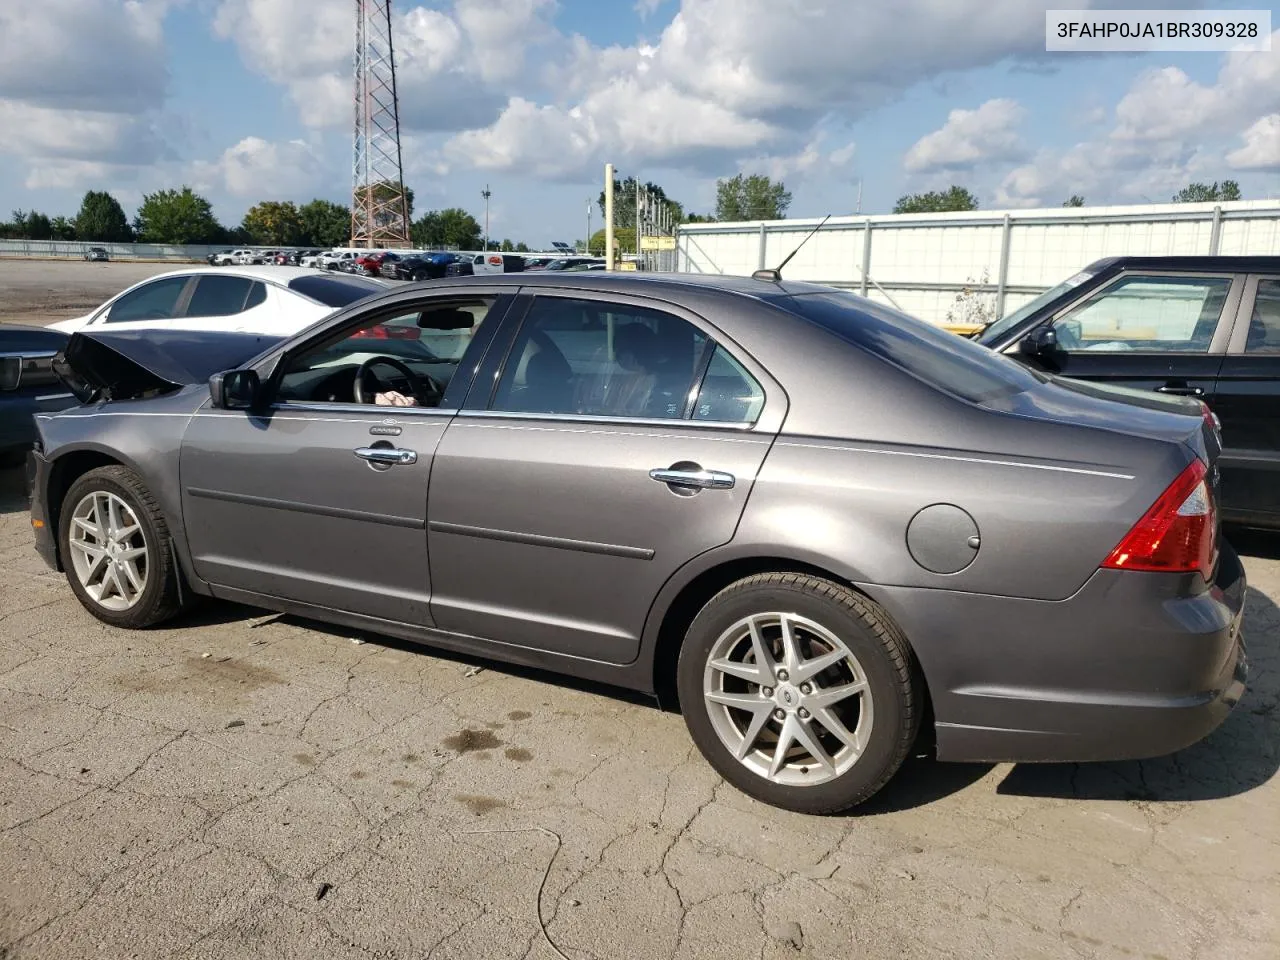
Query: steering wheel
(418, 383)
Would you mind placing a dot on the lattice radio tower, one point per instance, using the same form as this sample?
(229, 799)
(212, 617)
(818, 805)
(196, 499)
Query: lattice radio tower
(379, 209)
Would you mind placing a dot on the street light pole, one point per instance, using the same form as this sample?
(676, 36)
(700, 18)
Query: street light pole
(586, 244)
(485, 193)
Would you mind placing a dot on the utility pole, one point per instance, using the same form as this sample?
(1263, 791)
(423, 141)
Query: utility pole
(639, 218)
(859, 210)
(485, 193)
(608, 216)
(586, 244)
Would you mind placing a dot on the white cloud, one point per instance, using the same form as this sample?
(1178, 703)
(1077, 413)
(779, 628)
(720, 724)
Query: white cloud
(1169, 130)
(1261, 150)
(969, 137)
(453, 70)
(1105, 171)
(47, 133)
(82, 87)
(1164, 104)
(105, 55)
(620, 120)
(258, 168)
(812, 160)
(730, 79)
(726, 79)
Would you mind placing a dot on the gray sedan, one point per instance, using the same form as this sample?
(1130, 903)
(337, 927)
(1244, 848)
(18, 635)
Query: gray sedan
(814, 523)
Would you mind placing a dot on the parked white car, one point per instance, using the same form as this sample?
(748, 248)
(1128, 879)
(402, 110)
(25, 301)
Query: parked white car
(335, 259)
(228, 257)
(278, 301)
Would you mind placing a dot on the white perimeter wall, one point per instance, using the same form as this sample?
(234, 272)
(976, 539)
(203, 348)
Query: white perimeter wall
(921, 262)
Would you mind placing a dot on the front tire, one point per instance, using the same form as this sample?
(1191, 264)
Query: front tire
(117, 550)
(799, 692)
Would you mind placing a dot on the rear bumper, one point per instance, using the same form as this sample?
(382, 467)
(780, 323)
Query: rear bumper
(1125, 669)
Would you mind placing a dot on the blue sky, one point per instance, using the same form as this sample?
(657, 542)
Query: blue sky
(250, 99)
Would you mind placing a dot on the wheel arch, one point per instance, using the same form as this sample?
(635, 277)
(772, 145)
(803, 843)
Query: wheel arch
(64, 470)
(682, 598)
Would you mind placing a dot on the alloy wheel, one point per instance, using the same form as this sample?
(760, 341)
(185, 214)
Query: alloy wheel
(788, 698)
(108, 551)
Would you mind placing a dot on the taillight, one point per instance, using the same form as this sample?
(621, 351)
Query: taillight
(1178, 534)
(1211, 419)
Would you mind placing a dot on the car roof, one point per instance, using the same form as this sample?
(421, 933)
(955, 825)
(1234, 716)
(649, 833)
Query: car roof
(1192, 262)
(653, 284)
(267, 273)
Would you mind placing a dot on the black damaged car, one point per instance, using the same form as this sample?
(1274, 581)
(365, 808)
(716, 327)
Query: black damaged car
(28, 384)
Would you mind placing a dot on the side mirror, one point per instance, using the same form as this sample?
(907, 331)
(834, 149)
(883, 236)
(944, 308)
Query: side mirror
(235, 390)
(1041, 343)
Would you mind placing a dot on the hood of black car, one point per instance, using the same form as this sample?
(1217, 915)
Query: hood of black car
(118, 365)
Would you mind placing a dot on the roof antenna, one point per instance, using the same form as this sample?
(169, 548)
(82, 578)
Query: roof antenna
(775, 275)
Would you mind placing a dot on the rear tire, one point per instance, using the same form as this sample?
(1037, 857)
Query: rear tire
(843, 705)
(117, 550)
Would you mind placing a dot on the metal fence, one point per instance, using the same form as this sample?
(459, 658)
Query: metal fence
(75, 250)
(976, 265)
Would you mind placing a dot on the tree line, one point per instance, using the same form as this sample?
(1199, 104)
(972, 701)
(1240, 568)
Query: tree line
(958, 198)
(182, 216)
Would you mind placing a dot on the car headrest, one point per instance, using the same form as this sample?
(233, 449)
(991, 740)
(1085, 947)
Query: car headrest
(449, 318)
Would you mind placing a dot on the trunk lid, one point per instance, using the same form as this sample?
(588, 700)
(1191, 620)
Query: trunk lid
(127, 364)
(1145, 414)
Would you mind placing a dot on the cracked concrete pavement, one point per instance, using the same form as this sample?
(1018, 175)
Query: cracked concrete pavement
(247, 785)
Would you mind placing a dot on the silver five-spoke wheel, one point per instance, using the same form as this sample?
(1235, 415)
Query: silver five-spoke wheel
(788, 698)
(108, 550)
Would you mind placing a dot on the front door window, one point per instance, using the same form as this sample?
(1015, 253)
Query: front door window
(157, 300)
(401, 359)
(1146, 314)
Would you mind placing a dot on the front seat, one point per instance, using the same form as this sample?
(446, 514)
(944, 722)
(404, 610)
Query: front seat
(548, 386)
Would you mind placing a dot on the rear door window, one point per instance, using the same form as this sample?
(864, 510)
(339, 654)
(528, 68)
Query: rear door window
(1264, 324)
(601, 359)
(219, 295)
(728, 393)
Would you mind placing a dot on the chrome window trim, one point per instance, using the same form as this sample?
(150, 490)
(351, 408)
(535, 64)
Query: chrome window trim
(327, 406)
(614, 421)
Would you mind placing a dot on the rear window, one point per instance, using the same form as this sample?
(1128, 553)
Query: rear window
(219, 295)
(335, 291)
(941, 359)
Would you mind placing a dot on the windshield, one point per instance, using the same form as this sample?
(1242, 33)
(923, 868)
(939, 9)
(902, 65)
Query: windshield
(1010, 320)
(335, 291)
(941, 359)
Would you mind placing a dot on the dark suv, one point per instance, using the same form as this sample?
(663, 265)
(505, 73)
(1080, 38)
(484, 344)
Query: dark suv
(1204, 327)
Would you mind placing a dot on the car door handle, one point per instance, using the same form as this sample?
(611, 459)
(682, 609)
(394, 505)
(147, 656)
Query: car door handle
(1181, 389)
(710, 479)
(387, 455)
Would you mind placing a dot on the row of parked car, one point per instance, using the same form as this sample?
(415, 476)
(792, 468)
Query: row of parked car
(406, 265)
(813, 520)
